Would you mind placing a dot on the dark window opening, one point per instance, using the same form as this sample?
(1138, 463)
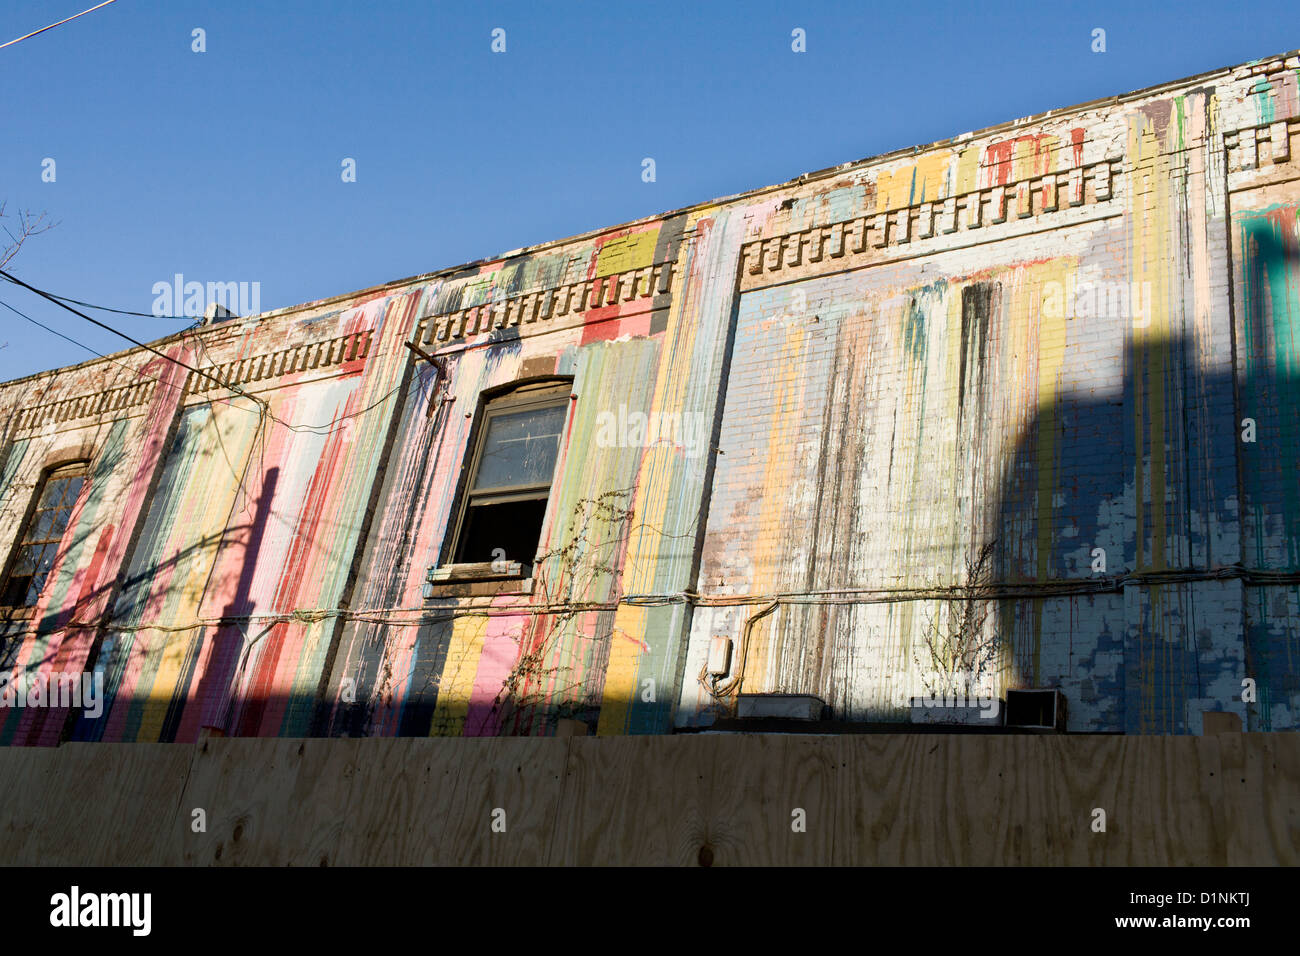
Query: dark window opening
(502, 532)
(510, 473)
(1035, 708)
(38, 545)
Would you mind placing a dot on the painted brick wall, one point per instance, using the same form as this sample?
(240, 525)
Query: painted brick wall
(886, 422)
(1036, 344)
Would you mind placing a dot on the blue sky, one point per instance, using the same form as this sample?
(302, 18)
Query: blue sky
(225, 165)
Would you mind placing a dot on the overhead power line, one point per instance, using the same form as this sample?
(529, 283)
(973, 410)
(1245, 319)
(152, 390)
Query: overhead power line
(325, 428)
(134, 341)
(104, 308)
(83, 345)
(66, 338)
(133, 371)
(145, 315)
(53, 25)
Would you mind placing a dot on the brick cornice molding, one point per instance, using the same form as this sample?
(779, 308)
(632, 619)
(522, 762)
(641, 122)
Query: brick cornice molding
(891, 232)
(304, 357)
(1251, 147)
(547, 307)
(124, 399)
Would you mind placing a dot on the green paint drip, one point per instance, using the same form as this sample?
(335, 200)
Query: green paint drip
(1264, 102)
(1271, 297)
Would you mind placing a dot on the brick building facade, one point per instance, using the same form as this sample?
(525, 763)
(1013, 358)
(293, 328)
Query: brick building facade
(1019, 409)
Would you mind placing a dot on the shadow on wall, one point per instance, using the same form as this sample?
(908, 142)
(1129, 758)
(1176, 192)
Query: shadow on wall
(1129, 570)
(221, 651)
(505, 674)
(1115, 516)
(1162, 590)
(1136, 579)
(29, 726)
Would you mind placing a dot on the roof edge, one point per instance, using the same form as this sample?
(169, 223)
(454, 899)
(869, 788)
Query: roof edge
(812, 176)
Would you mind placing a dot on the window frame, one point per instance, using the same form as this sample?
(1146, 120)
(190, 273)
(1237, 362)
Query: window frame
(548, 392)
(74, 468)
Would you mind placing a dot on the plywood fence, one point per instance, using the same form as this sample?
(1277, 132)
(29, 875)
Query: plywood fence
(714, 799)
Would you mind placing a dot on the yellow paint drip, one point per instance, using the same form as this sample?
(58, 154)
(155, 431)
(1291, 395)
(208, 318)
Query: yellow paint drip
(625, 652)
(922, 181)
(1148, 266)
(457, 686)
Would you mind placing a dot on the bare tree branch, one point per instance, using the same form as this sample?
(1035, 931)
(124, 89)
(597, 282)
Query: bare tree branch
(21, 228)
(959, 644)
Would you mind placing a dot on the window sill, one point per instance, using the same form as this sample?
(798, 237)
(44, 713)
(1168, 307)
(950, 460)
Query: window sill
(481, 571)
(486, 579)
(17, 613)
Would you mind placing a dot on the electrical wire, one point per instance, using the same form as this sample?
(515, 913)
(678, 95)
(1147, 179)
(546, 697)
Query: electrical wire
(66, 338)
(140, 374)
(134, 371)
(59, 24)
(192, 319)
(263, 410)
(324, 428)
(134, 341)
